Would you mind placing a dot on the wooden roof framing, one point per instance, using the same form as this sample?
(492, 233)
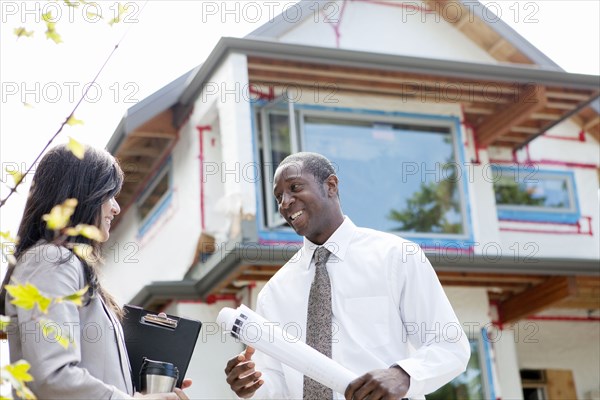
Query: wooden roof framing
(141, 153)
(517, 295)
(479, 31)
(502, 113)
(483, 35)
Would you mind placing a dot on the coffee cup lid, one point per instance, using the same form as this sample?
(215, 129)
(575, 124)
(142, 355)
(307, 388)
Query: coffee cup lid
(152, 367)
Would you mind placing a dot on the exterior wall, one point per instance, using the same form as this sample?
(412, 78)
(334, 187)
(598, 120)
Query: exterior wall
(236, 132)
(548, 153)
(386, 29)
(564, 345)
(212, 351)
(507, 366)
(166, 251)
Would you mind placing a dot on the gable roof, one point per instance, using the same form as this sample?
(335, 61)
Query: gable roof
(280, 25)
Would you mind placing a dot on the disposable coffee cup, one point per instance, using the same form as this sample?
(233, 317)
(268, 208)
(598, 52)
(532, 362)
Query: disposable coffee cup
(157, 376)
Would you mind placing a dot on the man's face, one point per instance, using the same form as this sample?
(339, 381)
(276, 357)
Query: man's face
(308, 206)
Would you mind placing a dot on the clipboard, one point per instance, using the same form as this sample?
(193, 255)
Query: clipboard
(171, 339)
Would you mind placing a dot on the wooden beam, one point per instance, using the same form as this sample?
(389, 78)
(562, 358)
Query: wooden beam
(494, 277)
(293, 69)
(547, 116)
(478, 110)
(594, 121)
(524, 129)
(561, 105)
(493, 48)
(530, 100)
(154, 134)
(567, 96)
(537, 298)
(581, 303)
(141, 152)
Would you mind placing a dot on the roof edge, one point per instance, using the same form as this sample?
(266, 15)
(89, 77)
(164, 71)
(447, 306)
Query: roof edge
(511, 35)
(199, 286)
(284, 23)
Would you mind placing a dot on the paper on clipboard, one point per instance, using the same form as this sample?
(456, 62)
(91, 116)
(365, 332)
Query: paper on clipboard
(158, 337)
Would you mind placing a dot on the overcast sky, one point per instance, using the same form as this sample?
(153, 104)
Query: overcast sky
(164, 39)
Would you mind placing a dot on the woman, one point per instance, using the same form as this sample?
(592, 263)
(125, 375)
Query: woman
(95, 364)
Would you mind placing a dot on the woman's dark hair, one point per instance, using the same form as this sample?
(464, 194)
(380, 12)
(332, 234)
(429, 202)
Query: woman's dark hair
(60, 176)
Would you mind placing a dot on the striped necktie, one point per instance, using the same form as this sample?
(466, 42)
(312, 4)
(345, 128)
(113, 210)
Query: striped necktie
(318, 322)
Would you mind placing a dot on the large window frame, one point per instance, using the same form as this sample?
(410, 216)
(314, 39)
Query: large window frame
(482, 345)
(281, 106)
(272, 226)
(146, 221)
(523, 174)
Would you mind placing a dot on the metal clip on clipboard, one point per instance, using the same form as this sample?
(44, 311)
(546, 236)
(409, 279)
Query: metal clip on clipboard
(161, 319)
(158, 336)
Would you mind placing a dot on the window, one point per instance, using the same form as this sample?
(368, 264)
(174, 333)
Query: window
(469, 385)
(155, 197)
(529, 194)
(398, 173)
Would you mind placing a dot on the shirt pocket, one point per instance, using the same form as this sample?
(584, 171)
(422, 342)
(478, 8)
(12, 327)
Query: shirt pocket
(368, 320)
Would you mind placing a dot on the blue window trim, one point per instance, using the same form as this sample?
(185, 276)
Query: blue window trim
(163, 204)
(540, 214)
(487, 354)
(286, 235)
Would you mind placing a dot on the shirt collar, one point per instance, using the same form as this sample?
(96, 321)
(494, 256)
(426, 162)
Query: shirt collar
(337, 243)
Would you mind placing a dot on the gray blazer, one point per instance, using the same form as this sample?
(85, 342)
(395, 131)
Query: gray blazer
(95, 365)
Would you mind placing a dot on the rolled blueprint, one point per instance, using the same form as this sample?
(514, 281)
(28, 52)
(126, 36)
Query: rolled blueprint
(255, 331)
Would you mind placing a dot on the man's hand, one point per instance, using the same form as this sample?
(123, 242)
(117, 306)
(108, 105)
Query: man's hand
(388, 384)
(241, 376)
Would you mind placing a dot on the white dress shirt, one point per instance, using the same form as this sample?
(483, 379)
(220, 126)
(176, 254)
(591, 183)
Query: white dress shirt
(388, 308)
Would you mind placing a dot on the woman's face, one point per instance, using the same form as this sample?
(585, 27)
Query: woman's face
(110, 208)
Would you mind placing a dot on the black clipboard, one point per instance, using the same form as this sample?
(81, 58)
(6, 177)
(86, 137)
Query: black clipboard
(171, 339)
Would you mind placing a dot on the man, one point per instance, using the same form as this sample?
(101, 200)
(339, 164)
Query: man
(389, 319)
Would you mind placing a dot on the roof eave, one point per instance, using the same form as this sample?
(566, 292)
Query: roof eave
(459, 69)
(203, 279)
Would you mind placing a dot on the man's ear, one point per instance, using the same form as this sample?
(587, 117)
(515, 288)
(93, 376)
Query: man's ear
(332, 185)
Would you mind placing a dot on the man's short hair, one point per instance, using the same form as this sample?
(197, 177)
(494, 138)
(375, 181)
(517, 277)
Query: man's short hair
(316, 164)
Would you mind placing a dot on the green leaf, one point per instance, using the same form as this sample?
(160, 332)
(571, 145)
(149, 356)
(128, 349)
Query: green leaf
(19, 371)
(88, 231)
(52, 34)
(28, 296)
(50, 332)
(85, 252)
(71, 3)
(59, 216)
(75, 298)
(27, 105)
(117, 18)
(93, 15)
(4, 322)
(17, 374)
(7, 246)
(17, 175)
(47, 17)
(76, 148)
(71, 121)
(6, 235)
(21, 31)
